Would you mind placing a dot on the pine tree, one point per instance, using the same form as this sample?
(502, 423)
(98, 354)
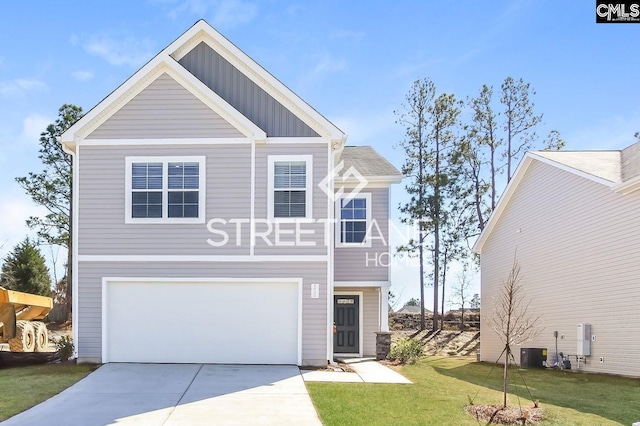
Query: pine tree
(25, 270)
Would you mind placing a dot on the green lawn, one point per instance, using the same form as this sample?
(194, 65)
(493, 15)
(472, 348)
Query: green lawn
(441, 387)
(24, 387)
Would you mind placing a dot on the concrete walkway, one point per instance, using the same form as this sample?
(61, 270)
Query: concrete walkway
(179, 394)
(367, 370)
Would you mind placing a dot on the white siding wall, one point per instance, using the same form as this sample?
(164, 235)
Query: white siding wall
(314, 321)
(579, 249)
(368, 263)
(165, 109)
(102, 229)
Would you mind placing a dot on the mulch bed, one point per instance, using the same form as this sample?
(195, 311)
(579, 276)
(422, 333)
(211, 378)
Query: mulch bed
(510, 415)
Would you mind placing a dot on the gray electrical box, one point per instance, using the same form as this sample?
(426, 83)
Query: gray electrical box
(584, 340)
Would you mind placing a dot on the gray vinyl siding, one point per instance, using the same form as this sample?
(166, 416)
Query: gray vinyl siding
(165, 109)
(319, 200)
(314, 311)
(368, 263)
(578, 244)
(243, 94)
(102, 229)
(370, 314)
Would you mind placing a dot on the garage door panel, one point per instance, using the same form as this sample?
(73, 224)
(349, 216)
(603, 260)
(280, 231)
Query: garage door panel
(212, 322)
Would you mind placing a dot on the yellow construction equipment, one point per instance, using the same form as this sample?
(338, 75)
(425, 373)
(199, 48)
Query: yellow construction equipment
(21, 316)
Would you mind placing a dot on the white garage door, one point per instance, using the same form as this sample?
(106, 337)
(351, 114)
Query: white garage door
(201, 322)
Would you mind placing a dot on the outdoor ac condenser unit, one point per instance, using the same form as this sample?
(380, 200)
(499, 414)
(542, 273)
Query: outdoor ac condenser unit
(584, 340)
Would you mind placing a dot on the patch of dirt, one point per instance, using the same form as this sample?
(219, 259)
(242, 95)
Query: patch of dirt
(57, 330)
(444, 342)
(511, 415)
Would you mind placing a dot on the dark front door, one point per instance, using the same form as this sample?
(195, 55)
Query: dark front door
(346, 316)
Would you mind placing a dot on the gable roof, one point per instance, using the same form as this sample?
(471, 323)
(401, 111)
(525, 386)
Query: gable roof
(617, 170)
(168, 61)
(369, 164)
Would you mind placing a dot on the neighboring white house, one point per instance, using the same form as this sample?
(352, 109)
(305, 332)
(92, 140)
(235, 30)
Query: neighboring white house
(202, 183)
(572, 220)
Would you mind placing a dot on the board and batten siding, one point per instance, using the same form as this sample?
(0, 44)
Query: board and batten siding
(368, 263)
(578, 245)
(101, 220)
(314, 311)
(243, 94)
(319, 200)
(370, 316)
(165, 109)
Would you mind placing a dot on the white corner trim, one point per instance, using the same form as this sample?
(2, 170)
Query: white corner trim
(368, 221)
(105, 300)
(330, 255)
(271, 160)
(252, 207)
(74, 249)
(201, 258)
(360, 295)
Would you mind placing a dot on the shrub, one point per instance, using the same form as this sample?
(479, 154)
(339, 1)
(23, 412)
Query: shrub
(65, 347)
(406, 351)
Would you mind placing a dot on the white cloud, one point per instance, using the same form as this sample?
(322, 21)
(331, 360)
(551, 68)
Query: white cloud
(14, 211)
(20, 86)
(126, 51)
(231, 13)
(225, 13)
(82, 75)
(33, 125)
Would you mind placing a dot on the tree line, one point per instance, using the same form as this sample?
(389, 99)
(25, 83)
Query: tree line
(459, 154)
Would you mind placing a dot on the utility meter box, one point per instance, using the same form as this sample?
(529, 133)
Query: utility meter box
(584, 340)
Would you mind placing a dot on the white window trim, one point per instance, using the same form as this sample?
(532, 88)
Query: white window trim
(271, 160)
(367, 237)
(201, 160)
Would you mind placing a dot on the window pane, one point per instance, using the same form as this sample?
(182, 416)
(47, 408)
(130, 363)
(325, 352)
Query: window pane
(290, 174)
(154, 197)
(346, 214)
(358, 237)
(297, 210)
(298, 196)
(298, 167)
(176, 182)
(155, 211)
(183, 204)
(191, 197)
(347, 204)
(282, 168)
(360, 226)
(139, 182)
(359, 203)
(175, 210)
(146, 204)
(155, 183)
(190, 210)
(282, 197)
(359, 214)
(139, 169)
(191, 182)
(191, 169)
(298, 181)
(281, 181)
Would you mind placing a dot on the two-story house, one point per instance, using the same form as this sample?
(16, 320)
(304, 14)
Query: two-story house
(203, 184)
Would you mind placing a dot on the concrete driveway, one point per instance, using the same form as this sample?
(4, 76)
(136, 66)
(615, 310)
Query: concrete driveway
(179, 394)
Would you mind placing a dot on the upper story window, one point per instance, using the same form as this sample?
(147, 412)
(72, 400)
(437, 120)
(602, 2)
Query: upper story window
(290, 181)
(354, 219)
(165, 189)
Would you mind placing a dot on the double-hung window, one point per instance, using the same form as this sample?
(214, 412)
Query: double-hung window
(290, 179)
(165, 189)
(354, 220)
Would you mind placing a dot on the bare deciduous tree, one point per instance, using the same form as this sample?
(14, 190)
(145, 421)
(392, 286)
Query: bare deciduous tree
(512, 320)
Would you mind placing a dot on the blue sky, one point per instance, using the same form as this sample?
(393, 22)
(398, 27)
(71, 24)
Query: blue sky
(352, 61)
